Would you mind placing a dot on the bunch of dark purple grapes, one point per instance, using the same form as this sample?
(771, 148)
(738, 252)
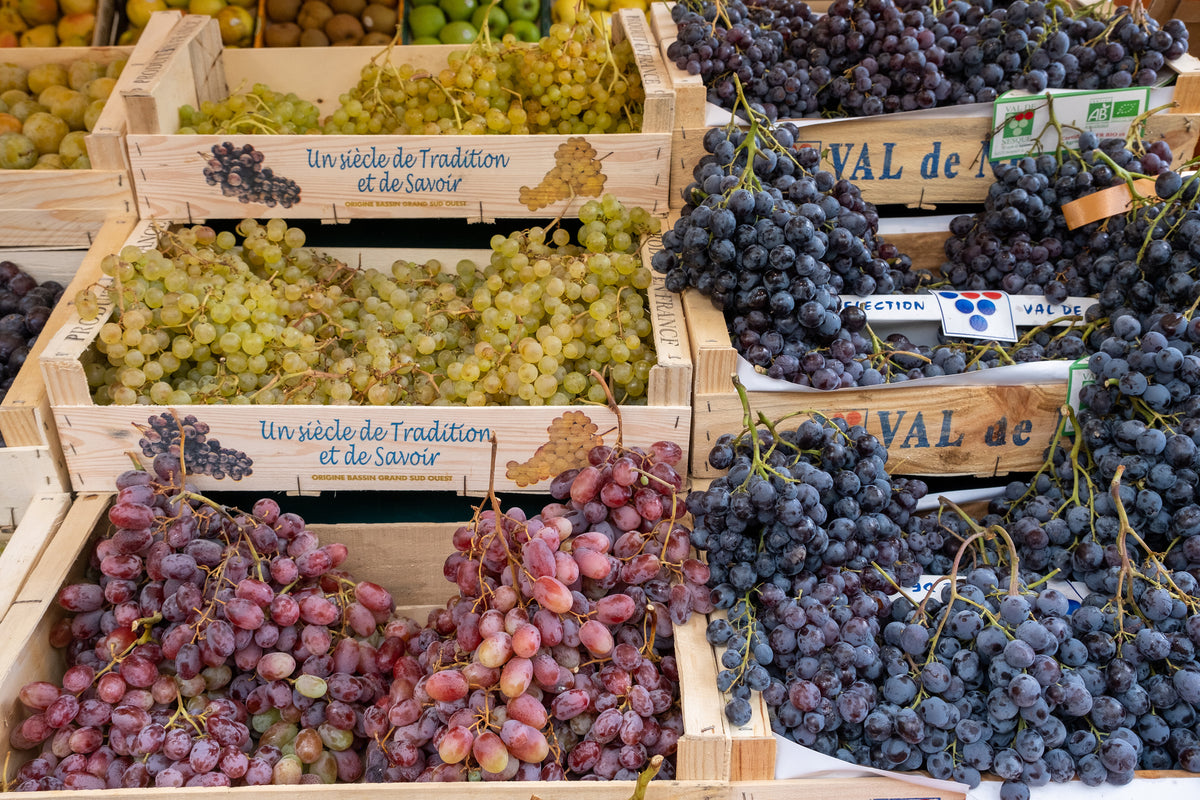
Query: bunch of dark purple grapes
(168, 438)
(240, 173)
(1020, 243)
(25, 307)
(866, 57)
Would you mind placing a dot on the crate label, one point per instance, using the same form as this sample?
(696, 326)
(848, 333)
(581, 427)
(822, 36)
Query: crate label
(887, 161)
(1078, 376)
(338, 177)
(977, 315)
(1023, 125)
(1074, 590)
(906, 429)
(344, 447)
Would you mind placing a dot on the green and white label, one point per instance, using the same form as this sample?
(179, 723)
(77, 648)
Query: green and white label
(1078, 376)
(1022, 121)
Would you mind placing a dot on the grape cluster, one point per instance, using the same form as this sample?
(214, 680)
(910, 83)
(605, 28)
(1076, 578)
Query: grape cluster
(213, 647)
(573, 81)
(203, 319)
(867, 57)
(173, 437)
(570, 437)
(576, 173)
(240, 173)
(25, 307)
(1020, 242)
(810, 543)
(553, 636)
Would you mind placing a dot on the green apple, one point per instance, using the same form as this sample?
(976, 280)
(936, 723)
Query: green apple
(458, 10)
(524, 30)
(522, 9)
(416, 3)
(458, 32)
(425, 40)
(496, 19)
(425, 21)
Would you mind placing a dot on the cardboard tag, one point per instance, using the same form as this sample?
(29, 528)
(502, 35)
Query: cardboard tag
(1104, 203)
(977, 315)
(1021, 119)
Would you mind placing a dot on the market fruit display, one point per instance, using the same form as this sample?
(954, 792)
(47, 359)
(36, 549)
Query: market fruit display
(867, 57)
(46, 112)
(237, 19)
(207, 318)
(243, 654)
(25, 306)
(573, 81)
(47, 23)
(316, 23)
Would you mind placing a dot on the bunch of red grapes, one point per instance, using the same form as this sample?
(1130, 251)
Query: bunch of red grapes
(212, 647)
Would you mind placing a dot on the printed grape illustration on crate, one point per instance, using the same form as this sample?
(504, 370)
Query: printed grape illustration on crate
(576, 173)
(240, 173)
(570, 437)
(167, 437)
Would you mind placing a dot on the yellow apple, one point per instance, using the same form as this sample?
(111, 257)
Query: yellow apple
(129, 36)
(77, 6)
(615, 5)
(41, 36)
(237, 26)
(176, 3)
(77, 27)
(11, 21)
(39, 12)
(139, 11)
(208, 7)
(244, 3)
(9, 39)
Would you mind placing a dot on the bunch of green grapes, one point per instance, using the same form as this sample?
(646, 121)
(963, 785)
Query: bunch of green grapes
(201, 318)
(260, 110)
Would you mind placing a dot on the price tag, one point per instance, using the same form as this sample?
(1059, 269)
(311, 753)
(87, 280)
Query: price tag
(977, 315)
(1105, 203)
(1020, 119)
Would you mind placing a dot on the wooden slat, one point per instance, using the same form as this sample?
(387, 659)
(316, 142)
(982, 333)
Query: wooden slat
(106, 142)
(25, 473)
(476, 177)
(704, 749)
(929, 430)
(25, 413)
(670, 381)
(165, 81)
(751, 746)
(28, 541)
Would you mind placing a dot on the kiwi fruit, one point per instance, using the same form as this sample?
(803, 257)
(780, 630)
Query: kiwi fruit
(352, 7)
(282, 10)
(314, 37)
(379, 19)
(282, 34)
(376, 39)
(313, 15)
(343, 28)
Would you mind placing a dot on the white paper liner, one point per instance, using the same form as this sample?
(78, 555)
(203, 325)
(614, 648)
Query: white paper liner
(1009, 375)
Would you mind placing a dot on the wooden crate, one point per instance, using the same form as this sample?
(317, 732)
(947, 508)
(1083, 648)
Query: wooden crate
(306, 448)
(343, 177)
(895, 158)
(33, 460)
(24, 536)
(407, 560)
(929, 430)
(66, 208)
